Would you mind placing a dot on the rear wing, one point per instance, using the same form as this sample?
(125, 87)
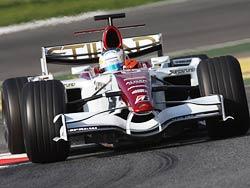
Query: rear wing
(87, 53)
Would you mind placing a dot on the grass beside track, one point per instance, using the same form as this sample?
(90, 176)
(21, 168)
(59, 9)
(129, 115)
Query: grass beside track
(18, 11)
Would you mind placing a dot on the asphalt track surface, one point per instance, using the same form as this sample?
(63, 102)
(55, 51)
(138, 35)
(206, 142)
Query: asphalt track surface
(184, 25)
(191, 160)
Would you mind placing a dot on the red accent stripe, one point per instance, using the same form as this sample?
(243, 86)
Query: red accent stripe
(102, 29)
(10, 161)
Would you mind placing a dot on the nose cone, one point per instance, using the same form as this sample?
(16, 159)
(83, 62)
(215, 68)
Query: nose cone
(136, 89)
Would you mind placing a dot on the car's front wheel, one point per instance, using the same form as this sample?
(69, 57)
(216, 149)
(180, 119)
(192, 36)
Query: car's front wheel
(42, 101)
(222, 75)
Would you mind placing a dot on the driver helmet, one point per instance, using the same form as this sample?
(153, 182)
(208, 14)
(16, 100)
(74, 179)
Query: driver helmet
(112, 60)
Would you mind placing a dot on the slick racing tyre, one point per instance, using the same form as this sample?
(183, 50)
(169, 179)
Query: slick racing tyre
(11, 97)
(222, 75)
(42, 101)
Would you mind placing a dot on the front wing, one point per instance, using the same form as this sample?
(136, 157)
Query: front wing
(194, 109)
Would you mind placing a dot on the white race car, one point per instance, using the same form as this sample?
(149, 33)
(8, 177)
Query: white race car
(129, 101)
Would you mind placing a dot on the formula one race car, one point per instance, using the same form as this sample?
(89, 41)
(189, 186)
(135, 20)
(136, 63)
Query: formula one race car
(122, 99)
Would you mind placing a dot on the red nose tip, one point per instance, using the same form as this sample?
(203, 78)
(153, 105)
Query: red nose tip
(143, 107)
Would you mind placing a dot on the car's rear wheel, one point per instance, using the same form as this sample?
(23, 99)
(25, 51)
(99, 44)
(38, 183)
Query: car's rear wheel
(42, 101)
(222, 75)
(11, 97)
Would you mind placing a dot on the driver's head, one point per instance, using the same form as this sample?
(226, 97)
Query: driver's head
(112, 60)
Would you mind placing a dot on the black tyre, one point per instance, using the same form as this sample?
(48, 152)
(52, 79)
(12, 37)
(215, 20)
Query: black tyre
(222, 75)
(11, 97)
(42, 101)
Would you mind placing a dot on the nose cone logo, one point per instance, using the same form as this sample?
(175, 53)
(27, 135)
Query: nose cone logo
(140, 98)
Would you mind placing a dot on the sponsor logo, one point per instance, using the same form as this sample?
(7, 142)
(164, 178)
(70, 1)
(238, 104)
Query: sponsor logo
(82, 129)
(139, 91)
(92, 49)
(132, 82)
(137, 86)
(69, 85)
(141, 98)
(135, 78)
(181, 71)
